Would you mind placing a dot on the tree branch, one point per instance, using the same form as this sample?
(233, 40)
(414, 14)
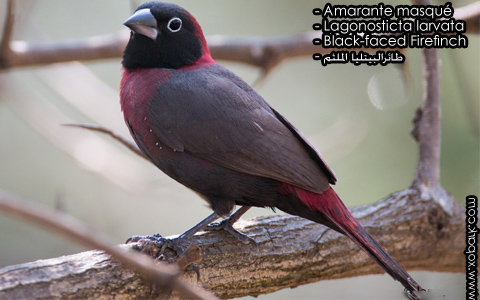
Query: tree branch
(5, 50)
(114, 135)
(162, 275)
(471, 15)
(291, 251)
(25, 54)
(262, 52)
(427, 127)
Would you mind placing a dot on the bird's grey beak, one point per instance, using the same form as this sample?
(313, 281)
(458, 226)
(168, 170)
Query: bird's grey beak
(144, 23)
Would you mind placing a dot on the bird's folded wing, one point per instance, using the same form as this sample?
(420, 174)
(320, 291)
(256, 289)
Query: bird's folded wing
(224, 121)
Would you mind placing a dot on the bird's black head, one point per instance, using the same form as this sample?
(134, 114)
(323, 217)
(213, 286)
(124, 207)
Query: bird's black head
(164, 35)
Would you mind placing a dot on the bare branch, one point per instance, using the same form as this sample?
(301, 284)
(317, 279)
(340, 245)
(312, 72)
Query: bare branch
(86, 49)
(471, 15)
(265, 53)
(163, 275)
(5, 50)
(291, 251)
(427, 130)
(114, 135)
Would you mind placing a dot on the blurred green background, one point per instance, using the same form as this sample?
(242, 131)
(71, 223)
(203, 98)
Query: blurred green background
(365, 140)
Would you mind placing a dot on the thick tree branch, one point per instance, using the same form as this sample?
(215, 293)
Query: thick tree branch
(291, 251)
(164, 276)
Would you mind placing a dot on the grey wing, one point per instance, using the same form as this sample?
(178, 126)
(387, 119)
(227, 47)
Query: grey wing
(222, 120)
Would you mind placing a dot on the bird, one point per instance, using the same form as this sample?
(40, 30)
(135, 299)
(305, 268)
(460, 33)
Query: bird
(209, 130)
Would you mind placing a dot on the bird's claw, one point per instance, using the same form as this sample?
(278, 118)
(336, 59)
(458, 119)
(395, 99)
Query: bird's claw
(155, 245)
(411, 294)
(227, 226)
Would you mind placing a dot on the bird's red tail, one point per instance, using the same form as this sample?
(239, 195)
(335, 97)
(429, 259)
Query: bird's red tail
(329, 204)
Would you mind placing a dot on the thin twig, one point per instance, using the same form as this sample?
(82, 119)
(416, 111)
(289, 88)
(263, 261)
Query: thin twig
(7, 35)
(162, 275)
(114, 135)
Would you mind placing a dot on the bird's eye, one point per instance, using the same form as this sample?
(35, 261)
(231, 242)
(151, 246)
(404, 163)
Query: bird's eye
(175, 24)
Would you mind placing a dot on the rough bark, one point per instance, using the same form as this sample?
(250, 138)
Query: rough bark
(414, 227)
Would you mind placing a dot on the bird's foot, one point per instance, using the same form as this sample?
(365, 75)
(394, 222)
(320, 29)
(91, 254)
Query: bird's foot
(411, 294)
(155, 245)
(227, 225)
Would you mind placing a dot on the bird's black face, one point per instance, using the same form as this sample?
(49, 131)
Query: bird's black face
(163, 35)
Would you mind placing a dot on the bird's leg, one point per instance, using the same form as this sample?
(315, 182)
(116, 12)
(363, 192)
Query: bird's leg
(227, 225)
(155, 245)
(199, 226)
